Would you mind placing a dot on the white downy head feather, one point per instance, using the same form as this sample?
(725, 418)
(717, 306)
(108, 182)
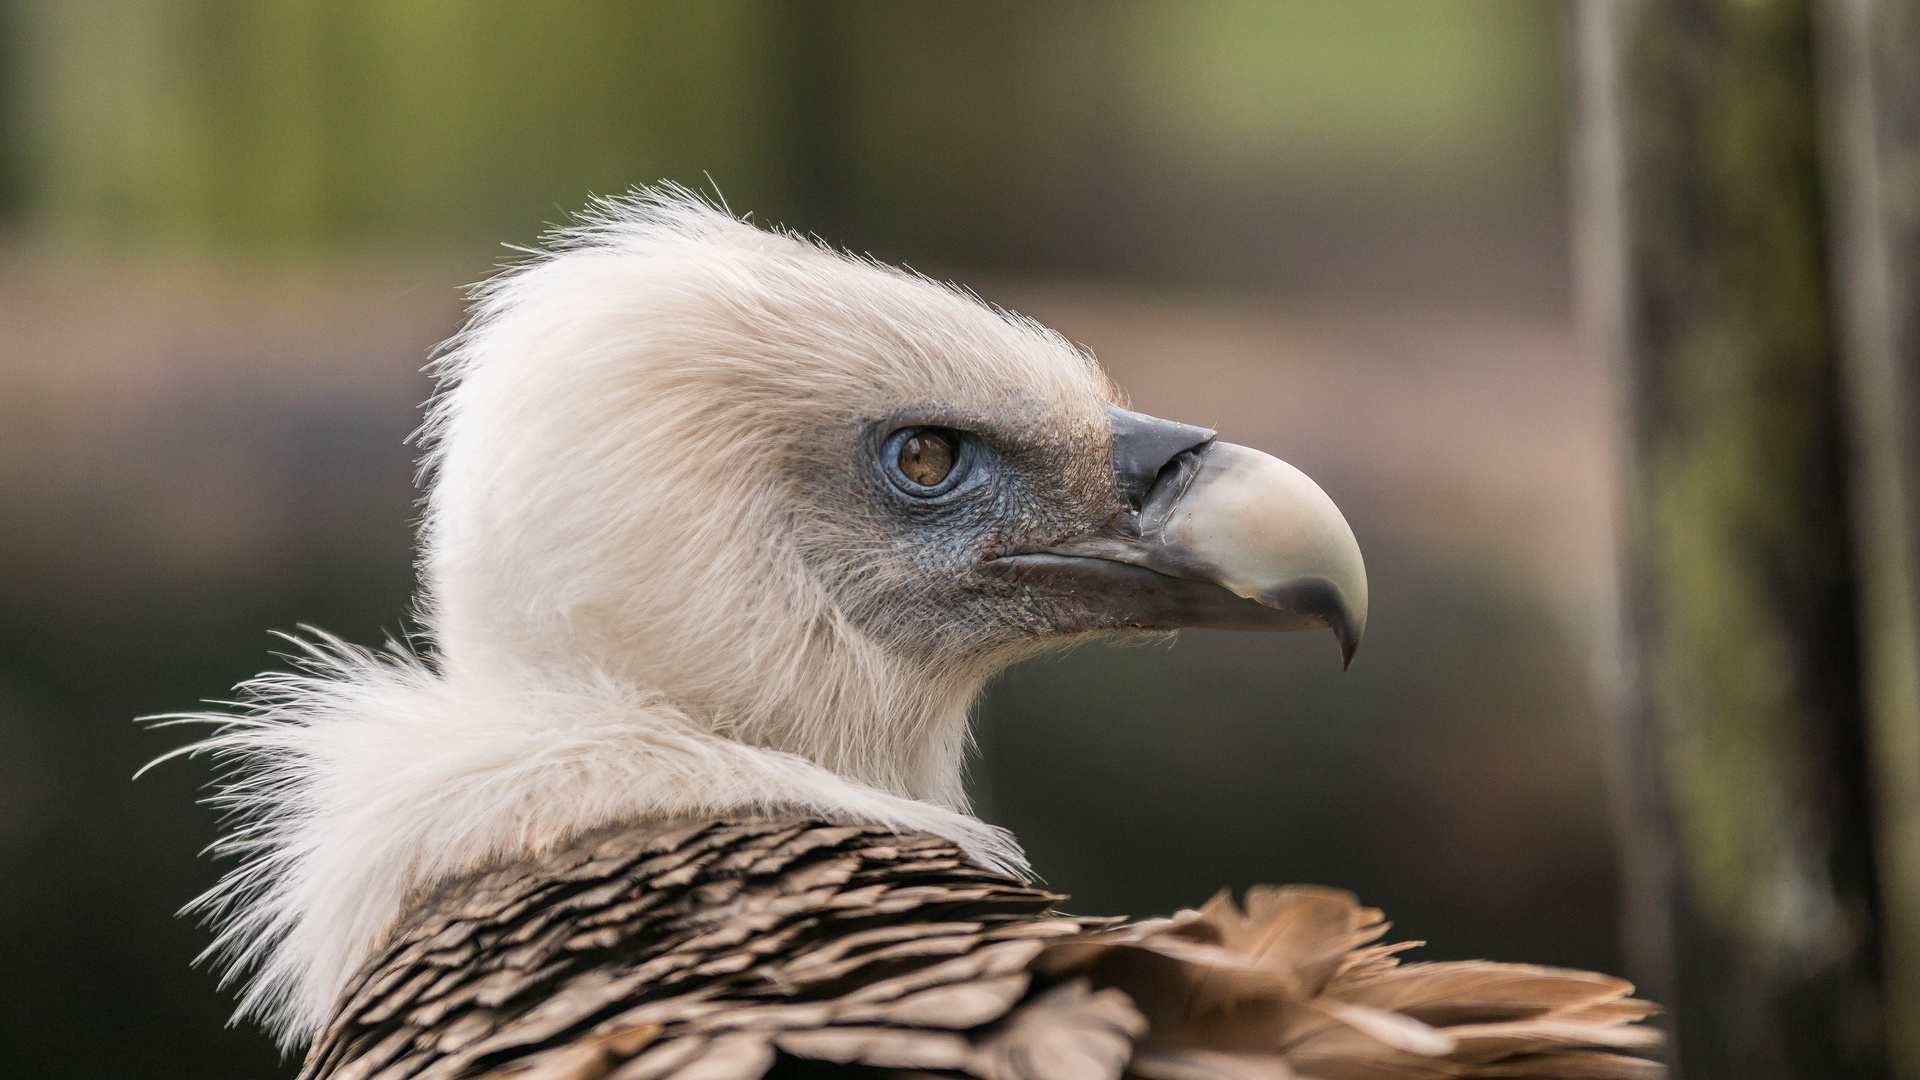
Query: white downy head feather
(629, 588)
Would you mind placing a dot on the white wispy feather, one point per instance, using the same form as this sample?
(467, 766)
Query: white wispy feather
(636, 588)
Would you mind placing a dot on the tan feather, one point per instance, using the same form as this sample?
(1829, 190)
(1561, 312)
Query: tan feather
(591, 1057)
(1066, 1033)
(881, 1047)
(674, 951)
(1208, 1065)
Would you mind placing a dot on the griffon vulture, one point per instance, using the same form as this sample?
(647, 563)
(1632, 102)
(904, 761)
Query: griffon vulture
(725, 531)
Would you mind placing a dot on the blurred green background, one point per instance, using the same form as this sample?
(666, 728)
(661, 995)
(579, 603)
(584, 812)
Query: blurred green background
(1334, 230)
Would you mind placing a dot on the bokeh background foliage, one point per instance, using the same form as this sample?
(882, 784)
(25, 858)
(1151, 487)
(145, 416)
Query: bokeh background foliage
(1334, 230)
(310, 122)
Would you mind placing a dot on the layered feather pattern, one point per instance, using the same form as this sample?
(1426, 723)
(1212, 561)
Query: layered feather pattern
(701, 949)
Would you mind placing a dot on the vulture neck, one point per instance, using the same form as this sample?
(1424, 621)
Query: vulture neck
(848, 707)
(369, 778)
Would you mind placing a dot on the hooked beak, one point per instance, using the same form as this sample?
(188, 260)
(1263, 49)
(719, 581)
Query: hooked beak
(1211, 535)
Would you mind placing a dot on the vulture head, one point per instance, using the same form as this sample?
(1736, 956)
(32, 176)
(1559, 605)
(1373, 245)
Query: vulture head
(814, 502)
(722, 519)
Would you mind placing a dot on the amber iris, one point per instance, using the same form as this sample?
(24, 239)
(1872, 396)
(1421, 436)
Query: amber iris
(926, 457)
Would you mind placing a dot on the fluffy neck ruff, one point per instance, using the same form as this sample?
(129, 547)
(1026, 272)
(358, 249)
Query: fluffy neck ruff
(365, 777)
(636, 609)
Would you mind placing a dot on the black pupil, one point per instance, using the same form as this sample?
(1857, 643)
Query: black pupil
(926, 457)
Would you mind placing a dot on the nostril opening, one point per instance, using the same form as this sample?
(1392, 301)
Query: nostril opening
(1180, 465)
(1147, 451)
(1169, 484)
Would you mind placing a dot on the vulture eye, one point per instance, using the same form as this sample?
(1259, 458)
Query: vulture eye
(925, 460)
(926, 457)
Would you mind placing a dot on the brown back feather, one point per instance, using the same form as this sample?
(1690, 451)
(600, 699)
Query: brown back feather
(721, 950)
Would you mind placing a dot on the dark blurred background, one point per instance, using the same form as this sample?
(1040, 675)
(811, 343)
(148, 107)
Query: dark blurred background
(1336, 231)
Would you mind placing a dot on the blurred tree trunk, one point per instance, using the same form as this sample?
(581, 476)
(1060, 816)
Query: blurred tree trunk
(1870, 83)
(812, 68)
(1752, 901)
